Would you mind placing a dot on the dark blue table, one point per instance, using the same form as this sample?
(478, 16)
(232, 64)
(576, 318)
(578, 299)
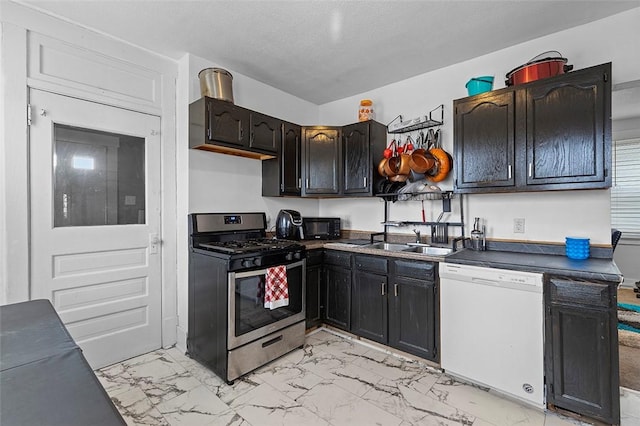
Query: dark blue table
(44, 377)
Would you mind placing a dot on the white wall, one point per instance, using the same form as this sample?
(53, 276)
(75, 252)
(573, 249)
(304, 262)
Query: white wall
(211, 182)
(3, 235)
(549, 216)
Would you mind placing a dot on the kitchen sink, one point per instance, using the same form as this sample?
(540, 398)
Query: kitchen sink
(387, 246)
(433, 251)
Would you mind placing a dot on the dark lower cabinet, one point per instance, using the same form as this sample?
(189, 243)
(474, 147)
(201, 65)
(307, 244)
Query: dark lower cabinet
(394, 303)
(412, 317)
(337, 280)
(314, 299)
(413, 308)
(581, 347)
(369, 298)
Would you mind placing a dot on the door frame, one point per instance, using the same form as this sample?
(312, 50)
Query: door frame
(18, 21)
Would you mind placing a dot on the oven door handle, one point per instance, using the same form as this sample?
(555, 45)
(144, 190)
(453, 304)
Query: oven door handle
(258, 272)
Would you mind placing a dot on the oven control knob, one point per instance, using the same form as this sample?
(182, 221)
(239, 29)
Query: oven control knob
(289, 256)
(247, 263)
(257, 261)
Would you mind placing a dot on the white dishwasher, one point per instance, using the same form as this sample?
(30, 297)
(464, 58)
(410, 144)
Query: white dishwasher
(492, 329)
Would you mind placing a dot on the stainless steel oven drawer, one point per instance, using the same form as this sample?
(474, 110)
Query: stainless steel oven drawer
(255, 354)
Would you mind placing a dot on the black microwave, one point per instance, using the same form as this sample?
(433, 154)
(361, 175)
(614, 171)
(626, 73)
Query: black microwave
(321, 228)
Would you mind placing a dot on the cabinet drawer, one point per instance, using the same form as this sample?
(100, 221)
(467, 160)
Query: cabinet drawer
(371, 264)
(339, 258)
(314, 257)
(565, 290)
(413, 269)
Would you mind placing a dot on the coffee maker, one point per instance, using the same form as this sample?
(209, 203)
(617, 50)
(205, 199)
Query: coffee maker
(289, 225)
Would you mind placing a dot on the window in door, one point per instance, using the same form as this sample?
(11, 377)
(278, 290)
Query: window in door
(99, 178)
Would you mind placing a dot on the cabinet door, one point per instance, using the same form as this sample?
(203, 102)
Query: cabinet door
(369, 305)
(314, 297)
(485, 142)
(581, 358)
(227, 123)
(338, 296)
(356, 159)
(581, 348)
(290, 159)
(568, 132)
(322, 160)
(265, 132)
(412, 316)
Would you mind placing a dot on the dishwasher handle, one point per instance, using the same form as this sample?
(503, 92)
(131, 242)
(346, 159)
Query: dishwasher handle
(485, 281)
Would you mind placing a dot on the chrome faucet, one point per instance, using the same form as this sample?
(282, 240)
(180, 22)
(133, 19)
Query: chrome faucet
(417, 232)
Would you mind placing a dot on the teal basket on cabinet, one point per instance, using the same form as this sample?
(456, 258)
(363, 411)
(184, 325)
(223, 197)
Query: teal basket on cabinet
(478, 85)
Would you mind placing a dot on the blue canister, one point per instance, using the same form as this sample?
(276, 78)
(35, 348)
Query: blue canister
(577, 248)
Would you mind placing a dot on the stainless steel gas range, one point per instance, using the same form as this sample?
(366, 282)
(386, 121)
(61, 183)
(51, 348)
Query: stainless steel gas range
(230, 330)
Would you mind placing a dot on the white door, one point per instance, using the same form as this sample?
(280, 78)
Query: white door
(95, 221)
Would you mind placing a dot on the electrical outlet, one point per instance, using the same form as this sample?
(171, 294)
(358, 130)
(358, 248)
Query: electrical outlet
(518, 225)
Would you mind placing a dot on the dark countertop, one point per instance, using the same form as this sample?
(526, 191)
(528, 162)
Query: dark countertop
(318, 244)
(589, 269)
(604, 269)
(358, 246)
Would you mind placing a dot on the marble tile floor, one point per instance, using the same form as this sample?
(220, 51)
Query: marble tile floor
(334, 380)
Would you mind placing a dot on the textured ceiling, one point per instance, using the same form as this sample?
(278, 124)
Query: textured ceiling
(327, 50)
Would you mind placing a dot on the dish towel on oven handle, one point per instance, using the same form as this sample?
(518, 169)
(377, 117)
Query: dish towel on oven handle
(276, 288)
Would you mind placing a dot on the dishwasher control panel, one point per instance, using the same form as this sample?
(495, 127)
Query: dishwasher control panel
(526, 281)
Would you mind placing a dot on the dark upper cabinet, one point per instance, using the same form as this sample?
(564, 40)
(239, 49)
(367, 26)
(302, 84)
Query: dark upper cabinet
(362, 145)
(321, 160)
(356, 159)
(485, 141)
(369, 298)
(265, 132)
(581, 347)
(282, 176)
(227, 123)
(568, 130)
(342, 161)
(551, 134)
(223, 127)
(290, 159)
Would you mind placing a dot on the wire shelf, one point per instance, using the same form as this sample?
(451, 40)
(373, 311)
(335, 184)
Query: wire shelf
(422, 122)
(418, 196)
